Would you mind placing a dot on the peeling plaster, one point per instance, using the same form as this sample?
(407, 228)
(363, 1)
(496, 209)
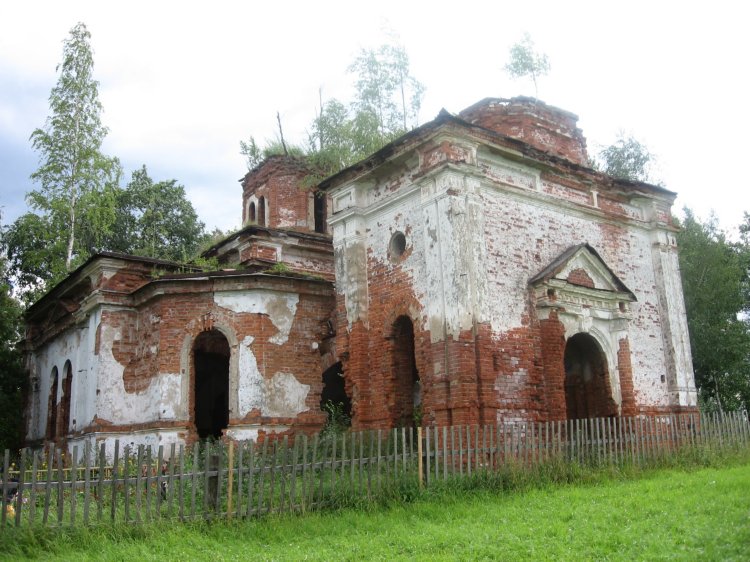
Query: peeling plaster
(280, 308)
(280, 396)
(160, 400)
(476, 240)
(250, 389)
(285, 396)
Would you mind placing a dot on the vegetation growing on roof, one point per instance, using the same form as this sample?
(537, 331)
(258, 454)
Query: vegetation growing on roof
(385, 106)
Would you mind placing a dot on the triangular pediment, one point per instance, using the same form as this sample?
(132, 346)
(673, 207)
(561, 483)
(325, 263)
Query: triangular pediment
(581, 266)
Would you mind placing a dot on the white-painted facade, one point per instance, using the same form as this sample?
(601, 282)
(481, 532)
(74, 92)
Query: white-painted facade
(478, 230)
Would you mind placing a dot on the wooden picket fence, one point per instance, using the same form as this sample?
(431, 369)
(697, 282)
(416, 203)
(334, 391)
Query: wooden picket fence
(246, 479)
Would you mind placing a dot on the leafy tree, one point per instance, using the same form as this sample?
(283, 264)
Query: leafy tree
(627, 159)
(526, 61)
(388, 98)
(73, 171)
(714, 277)
(745, 245)
(252, 152)
(74, 207)
(386, 104)
(34, 255)
(156, 220)
(334, 140)
(12, 376)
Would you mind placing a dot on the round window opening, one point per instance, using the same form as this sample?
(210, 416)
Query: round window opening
(397, 247)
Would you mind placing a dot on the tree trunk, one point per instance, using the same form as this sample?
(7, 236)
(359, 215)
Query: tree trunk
(71, 236)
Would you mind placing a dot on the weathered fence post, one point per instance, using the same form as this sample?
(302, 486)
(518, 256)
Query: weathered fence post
(212, 476)
(230, 482)
(19, 486)
(419, 456)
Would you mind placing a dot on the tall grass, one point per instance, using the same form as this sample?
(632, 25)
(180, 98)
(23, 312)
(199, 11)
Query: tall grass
(691, 506)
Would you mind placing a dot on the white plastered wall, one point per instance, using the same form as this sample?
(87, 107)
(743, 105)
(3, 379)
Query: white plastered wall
(76, 344)
(526, 230)
(477, 240)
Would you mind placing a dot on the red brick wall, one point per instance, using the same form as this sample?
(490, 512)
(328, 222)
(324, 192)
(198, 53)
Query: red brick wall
(628, 407)
(553, 354)
(279, 180)
(581, 278)
(152, 339)
(464, 380)
(543, 126)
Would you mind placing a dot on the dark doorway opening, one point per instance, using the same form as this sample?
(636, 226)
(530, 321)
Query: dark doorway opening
(587, 389)
(333, 399)
(407, 395)
(321, 213)
(211, 361)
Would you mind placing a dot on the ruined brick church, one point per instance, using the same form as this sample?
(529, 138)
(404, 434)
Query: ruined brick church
(474, 270)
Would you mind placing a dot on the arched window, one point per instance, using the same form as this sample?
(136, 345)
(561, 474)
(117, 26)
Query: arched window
(262, 211)
(52, 407)
(251, 218)
(67, 387)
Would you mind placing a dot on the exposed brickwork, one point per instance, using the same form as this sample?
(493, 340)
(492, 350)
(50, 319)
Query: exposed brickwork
(542, 126)
(457, 301)
(153, 338)
(511, 363)
(553, 354)
(580, 277)
(259, 252)
(435, 155)
(289, 203)
(628, 407)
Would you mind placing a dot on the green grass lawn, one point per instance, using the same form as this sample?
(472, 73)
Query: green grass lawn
(669, 514)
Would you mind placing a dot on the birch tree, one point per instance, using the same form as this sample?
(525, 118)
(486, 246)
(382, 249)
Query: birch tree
(525, 60)
(74, 176)
(73, 208)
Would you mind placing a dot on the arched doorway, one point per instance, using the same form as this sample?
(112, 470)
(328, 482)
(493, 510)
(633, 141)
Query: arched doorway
(211, 383)
(333, 399)
(407, 395)
(587, 389)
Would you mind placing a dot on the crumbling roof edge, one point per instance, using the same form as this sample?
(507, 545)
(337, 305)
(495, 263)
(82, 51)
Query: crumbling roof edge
(386, 151)
(271, 158)
(251, 228)
(66, 283)
(490, 99)
(445, 117)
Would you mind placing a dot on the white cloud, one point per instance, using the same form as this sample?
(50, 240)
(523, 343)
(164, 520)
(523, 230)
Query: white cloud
(183, 82)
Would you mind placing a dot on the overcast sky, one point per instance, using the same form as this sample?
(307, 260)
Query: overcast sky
(182, 83)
